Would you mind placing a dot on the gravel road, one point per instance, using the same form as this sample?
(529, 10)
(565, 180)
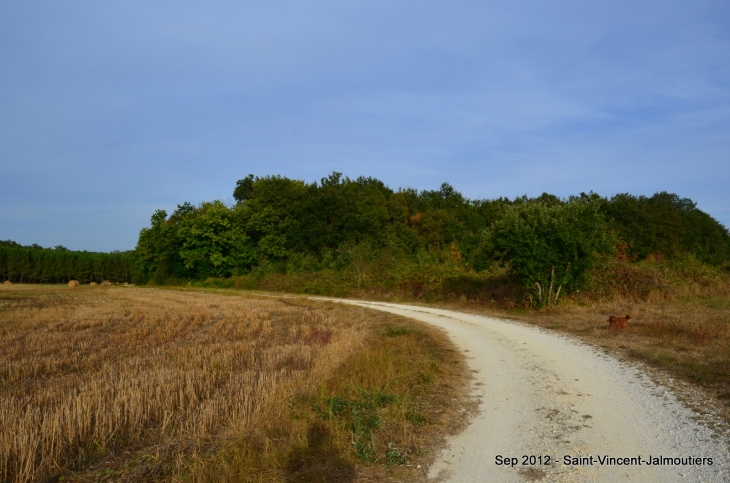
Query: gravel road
(546, 395)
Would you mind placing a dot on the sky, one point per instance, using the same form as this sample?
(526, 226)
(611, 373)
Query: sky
(111, 110)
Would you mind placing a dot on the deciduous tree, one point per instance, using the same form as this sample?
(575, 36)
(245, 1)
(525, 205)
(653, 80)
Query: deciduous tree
(549, 247)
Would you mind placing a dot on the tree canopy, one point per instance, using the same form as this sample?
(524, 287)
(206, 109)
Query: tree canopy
(287, 225)
(35, 264)
(277, 221)
(549, 247)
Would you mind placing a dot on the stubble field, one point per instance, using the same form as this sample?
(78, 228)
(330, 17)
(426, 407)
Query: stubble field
(129, 384)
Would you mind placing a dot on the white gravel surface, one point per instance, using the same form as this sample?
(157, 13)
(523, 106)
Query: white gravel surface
(546, 395)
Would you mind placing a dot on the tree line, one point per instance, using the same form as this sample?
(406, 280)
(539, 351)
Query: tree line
(35, 264)
(282, 225)
(278, 224)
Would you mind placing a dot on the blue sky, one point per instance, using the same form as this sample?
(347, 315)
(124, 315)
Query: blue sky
(110, 110)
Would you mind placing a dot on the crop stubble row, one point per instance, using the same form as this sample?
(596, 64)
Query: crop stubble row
(93, 369)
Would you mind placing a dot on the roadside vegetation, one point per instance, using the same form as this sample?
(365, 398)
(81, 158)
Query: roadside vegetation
(680, 321)
(131, 384)
(680, 309)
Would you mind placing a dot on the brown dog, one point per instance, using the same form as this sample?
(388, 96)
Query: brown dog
(618, 322)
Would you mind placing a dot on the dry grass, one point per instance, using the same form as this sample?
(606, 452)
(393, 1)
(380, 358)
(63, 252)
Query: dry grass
(690, 338)
(129, 384)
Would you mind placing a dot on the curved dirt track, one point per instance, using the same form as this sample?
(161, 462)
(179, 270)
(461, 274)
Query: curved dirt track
(543, 394)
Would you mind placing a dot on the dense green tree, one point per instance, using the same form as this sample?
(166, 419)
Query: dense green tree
(270, 213)
(213, 243)
(340, 209)
(705, 238)
(549, 247)
(35, 264)
(244, 188)
(667, 224)
(159, 246)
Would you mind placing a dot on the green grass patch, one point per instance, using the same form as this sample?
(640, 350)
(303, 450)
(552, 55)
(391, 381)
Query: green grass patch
(395, 331)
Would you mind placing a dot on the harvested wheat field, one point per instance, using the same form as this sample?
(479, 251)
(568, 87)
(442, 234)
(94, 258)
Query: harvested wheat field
(130, 384)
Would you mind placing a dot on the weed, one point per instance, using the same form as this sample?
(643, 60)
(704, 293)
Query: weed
(416, 418)
(394, 456)
(362, 417)
(425, 378)
(395, 331)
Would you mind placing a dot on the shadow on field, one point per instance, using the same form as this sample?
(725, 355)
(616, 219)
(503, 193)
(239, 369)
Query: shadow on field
(319, 461)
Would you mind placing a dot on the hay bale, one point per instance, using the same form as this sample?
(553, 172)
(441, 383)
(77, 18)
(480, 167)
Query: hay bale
(106, 282)
(92, 283)
(125, 283)
(7, 282)
(73, 283)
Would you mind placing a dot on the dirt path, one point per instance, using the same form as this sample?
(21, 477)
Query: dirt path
(545, 395)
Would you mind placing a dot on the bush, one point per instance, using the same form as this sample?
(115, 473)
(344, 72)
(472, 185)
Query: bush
(549, 247)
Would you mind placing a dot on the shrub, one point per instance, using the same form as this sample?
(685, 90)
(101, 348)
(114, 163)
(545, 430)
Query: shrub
(549, 248)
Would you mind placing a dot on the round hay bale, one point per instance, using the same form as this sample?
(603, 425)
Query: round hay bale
(92, 283)
(73, 283)
(106, 282)
(7, 282)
